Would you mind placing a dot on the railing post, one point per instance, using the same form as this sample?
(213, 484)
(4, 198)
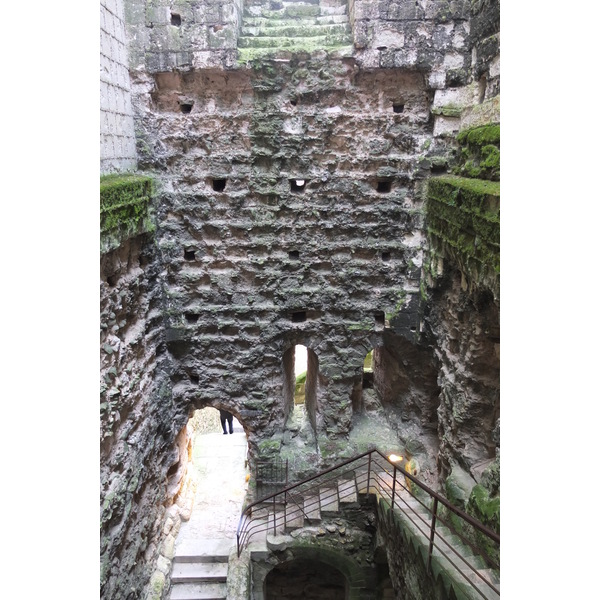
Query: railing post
(394, 487)
(432, 535)
(369, 474)
(274, 518)
(284, 512)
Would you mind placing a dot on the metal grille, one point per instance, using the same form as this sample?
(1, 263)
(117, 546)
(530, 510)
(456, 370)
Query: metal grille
(271, 476)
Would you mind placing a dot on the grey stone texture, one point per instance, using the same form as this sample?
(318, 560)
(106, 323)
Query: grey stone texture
(289, 211)
(117, 134)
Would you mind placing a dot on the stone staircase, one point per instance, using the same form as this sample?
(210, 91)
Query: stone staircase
(311, 507)
(290, 26)
(200, 570)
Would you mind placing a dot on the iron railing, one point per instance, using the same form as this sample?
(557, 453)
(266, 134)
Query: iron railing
(454, 537)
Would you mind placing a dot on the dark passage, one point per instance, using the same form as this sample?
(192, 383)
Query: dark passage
(305, 580)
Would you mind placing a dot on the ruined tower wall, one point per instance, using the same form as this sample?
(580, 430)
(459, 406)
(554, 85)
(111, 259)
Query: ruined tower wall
(117, 135)
(289, 201)
(462, 272)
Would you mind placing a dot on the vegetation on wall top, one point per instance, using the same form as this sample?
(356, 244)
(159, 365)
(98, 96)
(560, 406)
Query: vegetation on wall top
(125, 209)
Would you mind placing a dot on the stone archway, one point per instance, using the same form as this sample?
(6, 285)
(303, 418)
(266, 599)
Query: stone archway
(346, 579)
(311, 384)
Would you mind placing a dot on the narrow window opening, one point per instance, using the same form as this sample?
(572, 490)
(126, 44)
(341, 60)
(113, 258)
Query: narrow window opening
(297, 185)
(294, 255)
(299, 317)
(384, 187)
(367, 382)
(194, 379)
(380, 318)
(300, 372)
(191, 317)
(175, 19)
(189, 254)
(186, 107)
(294, 102)
(381, 48)
(385, 256)
(482, 86)
(398, 107)
(219, 184)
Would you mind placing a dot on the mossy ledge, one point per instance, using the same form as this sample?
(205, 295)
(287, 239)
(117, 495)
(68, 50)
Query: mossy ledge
(463, 224)
(479, 154)
(125, 209)
(480, 136)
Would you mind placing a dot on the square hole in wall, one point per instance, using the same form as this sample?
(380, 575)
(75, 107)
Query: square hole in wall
(384, 186)
(398, 107)
(385, 256)
(189, 254)
(379, 318)
(299, 317)
(191, 317)
(176, 19)
(297, 185)
(294, 255)
(219, 184)
(186, 107)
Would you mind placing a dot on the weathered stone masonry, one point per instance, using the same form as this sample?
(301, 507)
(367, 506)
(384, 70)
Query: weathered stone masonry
(290, 195)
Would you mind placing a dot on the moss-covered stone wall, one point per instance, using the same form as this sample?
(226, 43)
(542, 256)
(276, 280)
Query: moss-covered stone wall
(463, 210)
(125, 208)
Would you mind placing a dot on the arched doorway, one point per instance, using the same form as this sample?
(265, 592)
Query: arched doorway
(364, 397)
(300, 366)
(217, 473)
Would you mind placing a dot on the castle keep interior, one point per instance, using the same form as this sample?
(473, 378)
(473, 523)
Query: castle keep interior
(284, 173)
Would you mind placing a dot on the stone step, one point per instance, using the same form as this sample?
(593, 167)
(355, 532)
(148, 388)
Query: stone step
(261, 22)
(276, 523)
(285, 54)
(300, 30)
(295, 10)
(312, 509)
(203, 551)
(313, 42)
(188, 572)
(294, 519)
(483, 587)
(329, 501)
(347, 491)
(197, 591)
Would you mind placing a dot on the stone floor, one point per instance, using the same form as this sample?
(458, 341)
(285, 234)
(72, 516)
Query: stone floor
(220, 461)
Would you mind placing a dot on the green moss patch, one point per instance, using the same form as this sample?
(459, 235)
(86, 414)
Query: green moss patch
(480, 136)
(124, 208)
(479, 155)
(463, 224)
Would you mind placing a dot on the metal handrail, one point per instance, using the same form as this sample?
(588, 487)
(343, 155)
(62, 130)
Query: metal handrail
(392, 485)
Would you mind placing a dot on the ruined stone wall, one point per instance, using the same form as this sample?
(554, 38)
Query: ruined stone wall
(290, 212)
(179, 34)
(117, 135)
(290, 196)
(462, 273)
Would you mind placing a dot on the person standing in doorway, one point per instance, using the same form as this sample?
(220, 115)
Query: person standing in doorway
(226, 417)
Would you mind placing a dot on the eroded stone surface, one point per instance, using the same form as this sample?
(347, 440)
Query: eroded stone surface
(289, 210)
